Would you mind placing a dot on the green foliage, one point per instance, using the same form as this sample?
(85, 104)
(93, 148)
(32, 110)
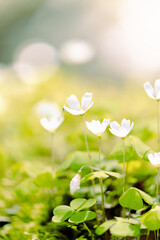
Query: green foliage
(78, 159)
(151, 219)
(133, 199)
(74, 213)
(120, 227)
(134, 149)
(100, 175)
(26, 188)
(29, 192)
(123, 229)
(82, 216)
(44, 180)
(81, 203)
(93, 175)
(101, 229)
(61, 213)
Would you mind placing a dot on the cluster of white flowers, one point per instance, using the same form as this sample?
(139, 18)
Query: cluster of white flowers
(153, 93)
(53, 118)
(95, 126)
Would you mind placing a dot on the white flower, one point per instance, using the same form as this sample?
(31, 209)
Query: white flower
(154, 159)
(51, 124)
(153, 93)
(75, 107)
(75, 183)
(45, 108)
(96, 127)
(121, 130)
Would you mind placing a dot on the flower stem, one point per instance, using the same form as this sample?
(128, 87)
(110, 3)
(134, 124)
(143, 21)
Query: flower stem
(124, 172)
(157, 193)
(86, 142)
(101, 182)
(158, 134)
(52, 152)
(148, 235)
(89, 231)
(90, 159)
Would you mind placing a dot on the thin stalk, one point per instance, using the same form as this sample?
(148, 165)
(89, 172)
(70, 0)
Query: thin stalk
(147, 237)
(158, 133)
(89, 231)
(90, 159)
(158, 234)
(157, 193)
(86, 142)
(155, 237)
(101, 182)
(124, 172)
(52, 152)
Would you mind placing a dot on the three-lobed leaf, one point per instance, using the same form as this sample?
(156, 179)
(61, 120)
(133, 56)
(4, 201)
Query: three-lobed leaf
(131, 199)
(101, 229)
(82, 216)
(124, 229)
(62, 213)
(151, 219)
(93, 175)
(82, 203)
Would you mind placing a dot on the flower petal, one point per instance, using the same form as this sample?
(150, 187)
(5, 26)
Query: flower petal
(89, 106)
(73, 102)
(74, 111)
(86, 100)
(115, 132)
(149, 90)
(51, 124)
(94, 126)
(157, 88)
(75, 183)
(131, 126)
(105, 124)
(115, 125)
(125, 123)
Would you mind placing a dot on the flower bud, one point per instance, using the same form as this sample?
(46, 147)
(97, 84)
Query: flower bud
(75, 183)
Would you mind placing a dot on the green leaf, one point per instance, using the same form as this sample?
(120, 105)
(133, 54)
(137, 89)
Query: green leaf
(101, 229)
(148, 199)
(151, 219)
(82, 216)
(62, 213)
(130, 220)
(131, 199)
(123, 229)
(113, 174)
(82, 203)
(140, 147)
(134, 149)
(44, 180)
(93, 175)
(78, 159)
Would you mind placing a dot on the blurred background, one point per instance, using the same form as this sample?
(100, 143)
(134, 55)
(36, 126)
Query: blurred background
(109, 41)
